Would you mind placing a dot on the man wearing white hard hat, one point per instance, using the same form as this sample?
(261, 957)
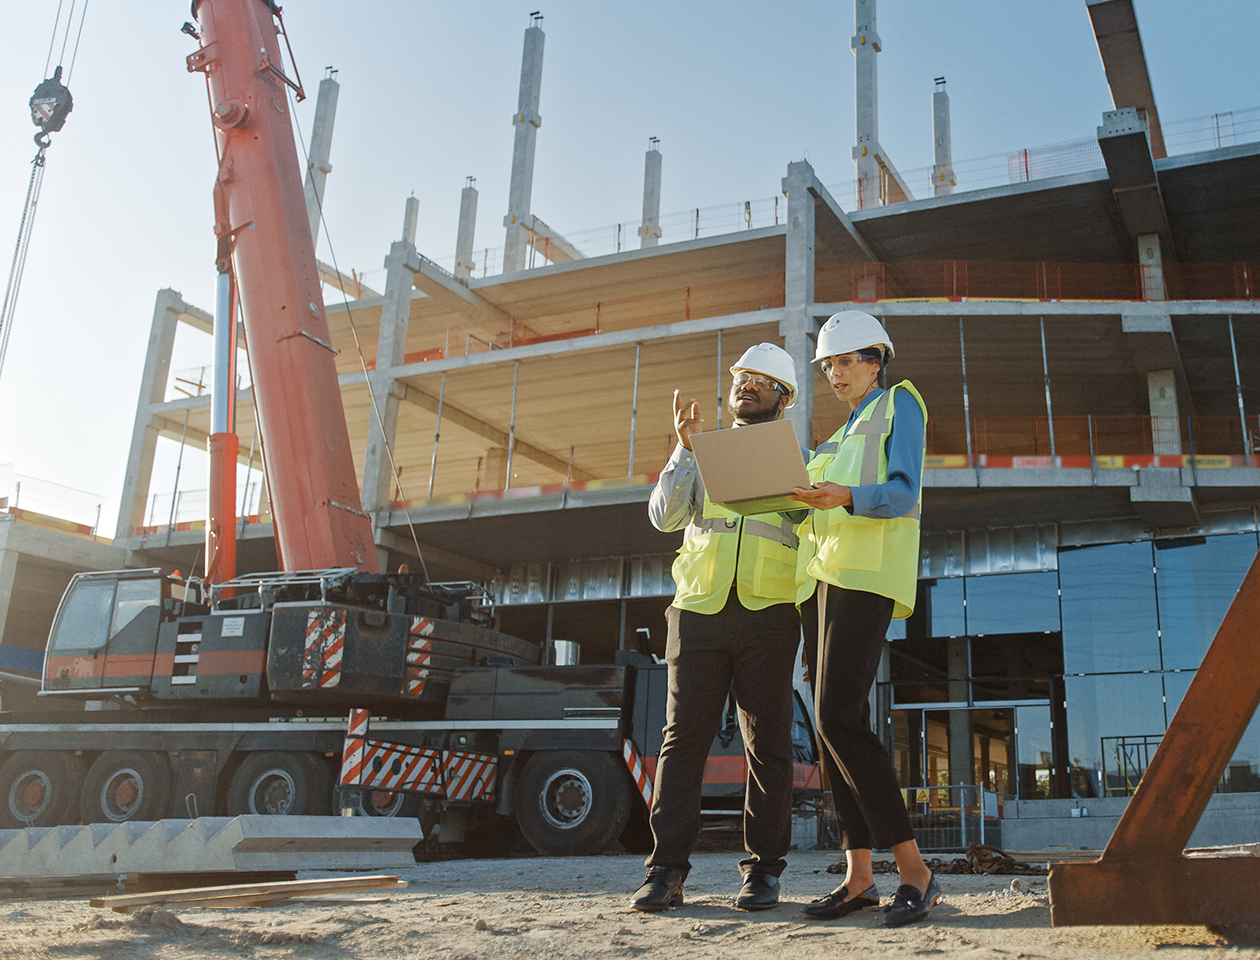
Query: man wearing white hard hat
(733, 621)
(861, 544)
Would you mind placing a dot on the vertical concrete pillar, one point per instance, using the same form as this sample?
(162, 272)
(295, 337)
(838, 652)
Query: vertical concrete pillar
(961, 761)
(8, 574)
(494, 469)
(865, 44)
(1161, 386)
(390, 350)
(1151, 259)
(651, 229)
(798, 327)
(527, 121)
(942, 157)
(317, 165)
(464, 236)
(144, 435)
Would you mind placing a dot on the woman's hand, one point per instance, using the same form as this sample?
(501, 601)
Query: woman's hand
(823, 496)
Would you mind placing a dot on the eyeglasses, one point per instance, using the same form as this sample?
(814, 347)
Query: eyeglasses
(761, 383)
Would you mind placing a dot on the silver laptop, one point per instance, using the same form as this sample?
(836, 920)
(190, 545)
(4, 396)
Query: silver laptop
(751, 469)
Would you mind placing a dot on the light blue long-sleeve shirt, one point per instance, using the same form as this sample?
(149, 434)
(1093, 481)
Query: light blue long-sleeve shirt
(900, 492)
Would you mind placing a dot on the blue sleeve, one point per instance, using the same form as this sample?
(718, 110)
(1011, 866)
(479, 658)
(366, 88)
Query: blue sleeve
(898, 495)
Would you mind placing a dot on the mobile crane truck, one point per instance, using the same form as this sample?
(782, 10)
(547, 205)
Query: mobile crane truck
(229, 695)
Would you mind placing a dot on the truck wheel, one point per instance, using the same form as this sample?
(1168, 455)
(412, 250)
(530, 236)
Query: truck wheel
(276, 784)
(39, 789)
(126, 785)
(571, 802)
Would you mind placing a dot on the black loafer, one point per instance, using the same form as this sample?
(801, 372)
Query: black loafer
(759, 892)
(835, 905)
(661, 890)
(909, 906)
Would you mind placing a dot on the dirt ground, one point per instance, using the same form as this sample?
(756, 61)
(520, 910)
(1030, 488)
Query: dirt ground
(547, 908)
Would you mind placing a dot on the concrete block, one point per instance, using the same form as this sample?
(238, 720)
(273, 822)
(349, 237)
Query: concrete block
(211, 844)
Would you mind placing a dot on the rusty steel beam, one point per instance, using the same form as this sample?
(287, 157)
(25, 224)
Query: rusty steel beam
(1144, 875)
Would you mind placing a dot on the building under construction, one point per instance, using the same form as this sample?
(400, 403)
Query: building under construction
(1082, 324)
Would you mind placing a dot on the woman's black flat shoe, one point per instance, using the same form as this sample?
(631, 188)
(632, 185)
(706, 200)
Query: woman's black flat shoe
(834, 904)
(908, 906)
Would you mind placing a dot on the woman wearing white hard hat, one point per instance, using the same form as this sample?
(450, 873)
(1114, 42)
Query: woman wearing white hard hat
(861, 544)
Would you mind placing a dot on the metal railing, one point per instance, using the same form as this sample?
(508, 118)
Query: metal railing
(951, 817)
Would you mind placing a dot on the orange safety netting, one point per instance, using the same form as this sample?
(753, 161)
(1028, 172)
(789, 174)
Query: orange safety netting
(1205, 435)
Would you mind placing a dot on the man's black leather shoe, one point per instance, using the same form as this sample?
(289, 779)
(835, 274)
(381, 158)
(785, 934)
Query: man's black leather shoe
(759, 892)
(661, 890)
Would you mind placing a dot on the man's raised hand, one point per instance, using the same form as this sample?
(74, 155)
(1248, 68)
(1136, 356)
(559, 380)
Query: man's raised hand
(686, 419)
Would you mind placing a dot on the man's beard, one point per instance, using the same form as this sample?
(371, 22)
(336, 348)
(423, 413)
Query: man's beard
(756, 415)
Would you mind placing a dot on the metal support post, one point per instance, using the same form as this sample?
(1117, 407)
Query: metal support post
(516, 373)
(1242, 414)
(1045, 371)
(962, 349)
(634, 406)
(437, 435)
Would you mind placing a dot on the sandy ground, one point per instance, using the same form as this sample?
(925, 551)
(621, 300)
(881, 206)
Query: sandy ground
(544, 908)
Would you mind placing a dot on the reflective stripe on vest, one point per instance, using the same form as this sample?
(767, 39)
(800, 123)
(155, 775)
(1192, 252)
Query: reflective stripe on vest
(865, 553)
(758, 555)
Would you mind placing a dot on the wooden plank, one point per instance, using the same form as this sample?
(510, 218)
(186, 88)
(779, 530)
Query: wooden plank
(266, 899)
(249, 891)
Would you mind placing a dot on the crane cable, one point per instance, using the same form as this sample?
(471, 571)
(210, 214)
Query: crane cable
(50, 105)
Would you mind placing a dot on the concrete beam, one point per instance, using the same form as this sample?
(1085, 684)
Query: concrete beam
(1050, 308)
(1154, 347)
(550, 243)
(1124, 61)
(798, 329)
(352, 287)
(453, 295)
(833, 226)
(1131, 169)
(474, 424)
(1162, 500)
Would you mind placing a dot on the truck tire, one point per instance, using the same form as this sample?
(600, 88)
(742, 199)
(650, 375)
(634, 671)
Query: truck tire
(40, 789)
(126, 785)
(272, 783)
(572, 802)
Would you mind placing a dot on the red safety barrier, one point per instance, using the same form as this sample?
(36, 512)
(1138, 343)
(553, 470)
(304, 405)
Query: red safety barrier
(1105, 436)
(958, 280)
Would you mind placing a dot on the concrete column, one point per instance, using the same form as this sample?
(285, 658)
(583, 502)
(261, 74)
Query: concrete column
(464, 236)
(943, 169)
(494, 469)
(527, 121)
(1161, 385)
(865, 44)
(798, 328)
(961, 761)
(8, 574)
(144, 435)
(318, 167)
(1150, 257)
(391, 348)
(651, 229)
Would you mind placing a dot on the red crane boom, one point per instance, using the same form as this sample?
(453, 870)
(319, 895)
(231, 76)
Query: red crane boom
(262, 225)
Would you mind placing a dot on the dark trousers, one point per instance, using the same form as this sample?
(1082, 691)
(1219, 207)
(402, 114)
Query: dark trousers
(870, 810)
(755, 650)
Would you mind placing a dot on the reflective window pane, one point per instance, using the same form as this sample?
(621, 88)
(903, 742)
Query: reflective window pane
(1197, 580)
(84, 616)
(1109, 616)
(1243, 773)
(1035, 752)
(1112, 714)
(1013, 603)
(945, 611)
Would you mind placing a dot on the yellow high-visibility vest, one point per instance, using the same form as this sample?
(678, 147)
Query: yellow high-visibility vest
(756, 553)
(863, 553)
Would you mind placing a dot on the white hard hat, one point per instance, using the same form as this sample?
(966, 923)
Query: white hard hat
(849, 331)
(773, 361)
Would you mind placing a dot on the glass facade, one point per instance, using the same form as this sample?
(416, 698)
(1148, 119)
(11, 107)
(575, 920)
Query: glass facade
(1091, 661)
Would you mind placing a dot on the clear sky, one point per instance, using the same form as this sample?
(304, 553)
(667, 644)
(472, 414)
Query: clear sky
(734, 90)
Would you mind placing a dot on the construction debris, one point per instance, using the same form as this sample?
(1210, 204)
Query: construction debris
(980, 858)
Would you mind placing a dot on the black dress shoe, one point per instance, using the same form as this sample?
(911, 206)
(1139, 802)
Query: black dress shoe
(834, 904)
(661, 890)
(759, 892)
(909, 905)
